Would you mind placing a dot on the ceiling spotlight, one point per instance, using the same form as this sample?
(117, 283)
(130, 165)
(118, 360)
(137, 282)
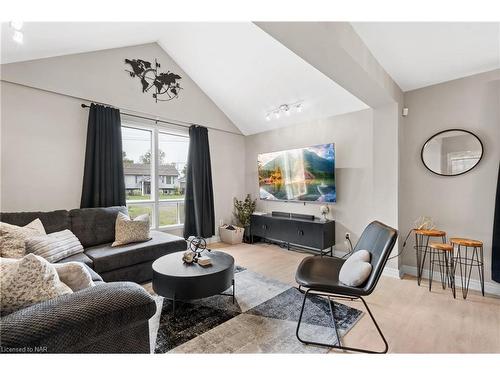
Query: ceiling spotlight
(277, 115)
(268, 118)
(16, 25)
(18, 37)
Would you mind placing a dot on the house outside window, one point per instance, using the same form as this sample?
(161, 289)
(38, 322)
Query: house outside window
(154, 160)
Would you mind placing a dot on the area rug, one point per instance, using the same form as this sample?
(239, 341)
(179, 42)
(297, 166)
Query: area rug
(262, 320)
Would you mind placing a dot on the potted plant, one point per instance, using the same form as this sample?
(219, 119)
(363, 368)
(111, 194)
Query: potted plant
(243, 211)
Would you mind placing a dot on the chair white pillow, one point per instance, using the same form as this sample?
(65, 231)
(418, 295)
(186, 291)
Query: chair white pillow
(26, 281)
(362, 255)
(13, 238)
(356, 269)
(55, 246)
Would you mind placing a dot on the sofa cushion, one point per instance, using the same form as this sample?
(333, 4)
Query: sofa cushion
(53, 221)
(81, 257)
(107, 258)
(54, 246)
(95, 226)
(27, 281)
(76, 275)
(13, 238)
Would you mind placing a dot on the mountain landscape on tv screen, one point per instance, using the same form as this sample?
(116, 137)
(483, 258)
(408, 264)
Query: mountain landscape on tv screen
(306, 174)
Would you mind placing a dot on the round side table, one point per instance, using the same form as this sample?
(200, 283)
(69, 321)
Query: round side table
(469, 254)
(422, 237)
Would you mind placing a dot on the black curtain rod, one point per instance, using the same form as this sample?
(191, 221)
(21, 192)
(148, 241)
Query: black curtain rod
(186, 125)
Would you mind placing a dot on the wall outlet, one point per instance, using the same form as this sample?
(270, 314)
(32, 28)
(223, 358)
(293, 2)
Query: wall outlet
(347, 235)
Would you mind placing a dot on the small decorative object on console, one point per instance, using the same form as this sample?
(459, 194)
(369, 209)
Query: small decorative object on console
(324, 210)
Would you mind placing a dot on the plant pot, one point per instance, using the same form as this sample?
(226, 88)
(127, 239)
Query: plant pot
(229, 236)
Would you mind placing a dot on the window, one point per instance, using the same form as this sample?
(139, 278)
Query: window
(172, 159)
(154, 181)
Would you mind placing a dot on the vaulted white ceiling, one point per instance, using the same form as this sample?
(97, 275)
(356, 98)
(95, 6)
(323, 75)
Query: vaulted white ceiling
(419, 54)
(246, 72)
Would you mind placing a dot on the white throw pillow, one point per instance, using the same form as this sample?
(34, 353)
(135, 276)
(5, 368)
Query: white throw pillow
(26, 281)
(362, 255)
(55, 246)
(129, 231)
(356, 269)
(13, 238)
(75, 275)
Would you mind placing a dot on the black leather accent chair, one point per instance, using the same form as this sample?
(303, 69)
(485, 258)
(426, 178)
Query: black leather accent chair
(320, 276)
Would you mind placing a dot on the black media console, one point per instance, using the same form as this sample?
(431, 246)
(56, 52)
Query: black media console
(303, 231)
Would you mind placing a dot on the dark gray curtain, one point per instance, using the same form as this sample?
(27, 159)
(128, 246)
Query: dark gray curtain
(495, 248)
(103, 181)
(199, 205)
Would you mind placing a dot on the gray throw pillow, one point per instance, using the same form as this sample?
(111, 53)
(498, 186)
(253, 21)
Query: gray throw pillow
(129, 231)
(55, 246)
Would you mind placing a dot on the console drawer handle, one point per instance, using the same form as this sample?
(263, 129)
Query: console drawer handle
(301, 232)
(264, 226)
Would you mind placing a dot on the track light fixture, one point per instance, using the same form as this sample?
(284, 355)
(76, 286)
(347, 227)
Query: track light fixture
(284, 109)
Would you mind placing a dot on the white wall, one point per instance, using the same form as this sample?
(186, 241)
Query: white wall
(463, 205)
(43, 134)
(100, 76)
(352, 135)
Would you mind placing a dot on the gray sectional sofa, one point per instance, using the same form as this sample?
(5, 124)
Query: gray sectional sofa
(95, 228)
(111, 317)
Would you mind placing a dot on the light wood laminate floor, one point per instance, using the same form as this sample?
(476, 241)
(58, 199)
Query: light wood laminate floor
(413, 319)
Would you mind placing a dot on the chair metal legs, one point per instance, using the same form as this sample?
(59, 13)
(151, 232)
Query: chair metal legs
(338, 345)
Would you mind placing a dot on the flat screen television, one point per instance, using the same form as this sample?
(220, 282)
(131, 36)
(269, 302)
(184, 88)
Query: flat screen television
(302, 175)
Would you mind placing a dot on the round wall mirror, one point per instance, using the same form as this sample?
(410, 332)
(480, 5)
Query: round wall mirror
(452, 152)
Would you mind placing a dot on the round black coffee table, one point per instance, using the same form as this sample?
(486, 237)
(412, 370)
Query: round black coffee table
(179, 281)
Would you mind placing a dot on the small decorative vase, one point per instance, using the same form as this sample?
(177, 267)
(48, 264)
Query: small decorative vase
(324, 210)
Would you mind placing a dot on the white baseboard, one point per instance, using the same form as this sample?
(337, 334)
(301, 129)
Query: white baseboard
(392, 272)
(213, 239)
(489, 287)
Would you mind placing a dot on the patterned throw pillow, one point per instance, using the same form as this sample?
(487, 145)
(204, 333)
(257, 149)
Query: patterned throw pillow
(129, 231)
(55, 246)
(13, 238)
(74, 275)
(26, 281)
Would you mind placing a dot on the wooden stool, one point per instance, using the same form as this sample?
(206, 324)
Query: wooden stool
(422, 237)
(442, 255)
(466, 262)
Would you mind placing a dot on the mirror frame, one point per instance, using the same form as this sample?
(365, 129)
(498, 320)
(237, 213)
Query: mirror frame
(445, 131)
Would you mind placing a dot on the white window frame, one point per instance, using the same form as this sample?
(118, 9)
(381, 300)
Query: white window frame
(155, 202)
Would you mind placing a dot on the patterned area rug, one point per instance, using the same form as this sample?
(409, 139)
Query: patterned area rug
(262, 320)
